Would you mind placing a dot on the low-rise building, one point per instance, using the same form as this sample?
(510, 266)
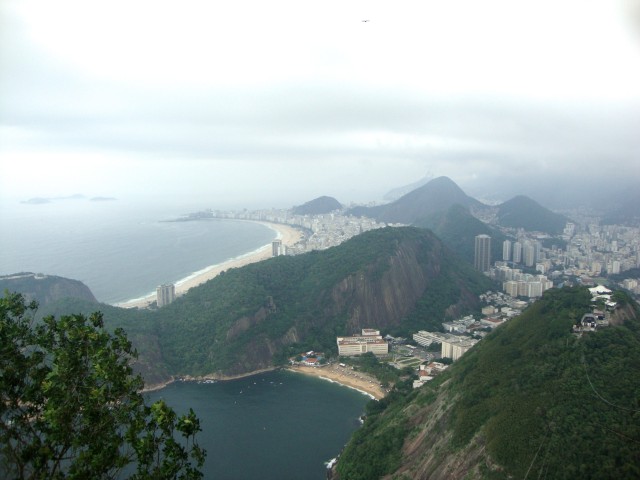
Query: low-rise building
(369, 341)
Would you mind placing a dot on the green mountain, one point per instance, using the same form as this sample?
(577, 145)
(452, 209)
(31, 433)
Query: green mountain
(398, 280)
(523, 212)
(457, 229)
(436, 196)
(318, 206)
(45, 289)
(531, 400)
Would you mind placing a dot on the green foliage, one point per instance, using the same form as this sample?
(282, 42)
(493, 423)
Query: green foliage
(70, 407)
(533, 386)
(523, 212)
(376, 448)
(457, 229)
(542, 402)
(260, 315)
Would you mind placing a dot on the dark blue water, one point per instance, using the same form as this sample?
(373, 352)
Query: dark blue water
(119, 250)
(277, 425)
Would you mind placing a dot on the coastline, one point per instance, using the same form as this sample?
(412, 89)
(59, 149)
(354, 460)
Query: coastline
(286, 233)
(362, 382)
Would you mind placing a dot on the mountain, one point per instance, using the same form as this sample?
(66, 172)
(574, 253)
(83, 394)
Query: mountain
(318, 206)
(398, 280)
(457, 229)
(45, 289)
(396, 193)
(436, 196)
(523, 212)
(531, 400)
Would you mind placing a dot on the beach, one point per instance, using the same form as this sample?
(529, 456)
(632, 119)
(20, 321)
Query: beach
(345, 376)
(287, 234)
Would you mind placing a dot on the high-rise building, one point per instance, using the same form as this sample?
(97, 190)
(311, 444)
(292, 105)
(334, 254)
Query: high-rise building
(277, 248)
(529, 252)
(517, 252)
(165, 294)
(506, 250)
(482, 259)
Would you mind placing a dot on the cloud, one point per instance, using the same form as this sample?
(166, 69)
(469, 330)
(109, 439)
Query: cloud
(312, 94)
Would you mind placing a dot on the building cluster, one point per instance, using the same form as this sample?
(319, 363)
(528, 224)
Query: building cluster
(323, 231)
(528, 268)
(519, 284)
(452, 346)
(369, 340)
(309, 359)
(427, 372)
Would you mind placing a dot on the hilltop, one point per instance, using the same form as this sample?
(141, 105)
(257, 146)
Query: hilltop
(318, 206)
(45, 289)
(398, 280)
(436, 196)
(457, 229)
(530, 400)
(524, 212)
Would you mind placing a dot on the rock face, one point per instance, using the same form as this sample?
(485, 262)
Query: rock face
(45, 289)
(381, 292)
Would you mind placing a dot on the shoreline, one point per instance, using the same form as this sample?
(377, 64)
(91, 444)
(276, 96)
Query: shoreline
(287, 234)
(361, 382)
(346, 377)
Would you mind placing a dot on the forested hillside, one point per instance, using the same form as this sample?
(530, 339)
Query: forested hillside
(396, 279)
(532, 400)
(457, 229)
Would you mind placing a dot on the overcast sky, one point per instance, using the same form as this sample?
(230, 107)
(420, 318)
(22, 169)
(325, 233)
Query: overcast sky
(275, 103)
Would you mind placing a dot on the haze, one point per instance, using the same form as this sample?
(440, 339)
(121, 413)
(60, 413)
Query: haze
(248, 104)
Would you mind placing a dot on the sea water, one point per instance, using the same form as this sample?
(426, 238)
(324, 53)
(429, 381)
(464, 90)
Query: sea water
(277, 425)
(120, 250)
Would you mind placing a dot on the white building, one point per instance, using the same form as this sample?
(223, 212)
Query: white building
(165, 294)
(369, 341)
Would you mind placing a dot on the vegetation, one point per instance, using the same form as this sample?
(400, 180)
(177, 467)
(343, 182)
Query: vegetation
(436, 196)
(318, 206)
(523, 212)
(534, 399)
(376, 448)
(70, 406)
(264, 313)
(457, 229)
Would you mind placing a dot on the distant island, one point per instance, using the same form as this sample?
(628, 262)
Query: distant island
(77, 196)
(190, 217)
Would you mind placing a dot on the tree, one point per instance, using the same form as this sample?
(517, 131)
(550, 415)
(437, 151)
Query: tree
(70, 406)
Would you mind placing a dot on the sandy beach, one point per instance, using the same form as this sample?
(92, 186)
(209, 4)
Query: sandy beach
(287, 234)
(345, 376)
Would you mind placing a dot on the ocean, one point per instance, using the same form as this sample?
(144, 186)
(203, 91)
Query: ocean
(277, 425)
(121, 251)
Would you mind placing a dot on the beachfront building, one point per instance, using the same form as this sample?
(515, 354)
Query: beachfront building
(277, 248)
(369, 341)
(165, 294)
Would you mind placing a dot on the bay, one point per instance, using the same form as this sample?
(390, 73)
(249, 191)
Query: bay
(277, 425)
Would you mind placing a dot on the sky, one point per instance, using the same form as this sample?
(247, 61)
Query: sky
(250, 104)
